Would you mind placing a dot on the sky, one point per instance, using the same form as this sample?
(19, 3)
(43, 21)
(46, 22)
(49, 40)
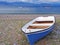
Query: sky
(34, 1)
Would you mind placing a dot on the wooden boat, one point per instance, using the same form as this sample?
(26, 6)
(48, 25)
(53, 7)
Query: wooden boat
(38, 28)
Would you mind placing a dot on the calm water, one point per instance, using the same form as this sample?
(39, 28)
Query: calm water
(31, 10)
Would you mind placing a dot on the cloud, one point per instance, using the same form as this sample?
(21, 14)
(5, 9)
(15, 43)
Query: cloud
(40, 1)
(32, 1)
(10, 0)
(54, 0)
(19, 0)
(15, 0)
(49, 0)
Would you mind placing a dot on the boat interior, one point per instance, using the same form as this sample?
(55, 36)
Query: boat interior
(40, 26)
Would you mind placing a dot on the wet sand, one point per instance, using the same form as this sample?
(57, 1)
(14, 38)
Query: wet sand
(11, 34)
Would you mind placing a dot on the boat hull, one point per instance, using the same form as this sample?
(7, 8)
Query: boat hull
(34, 37)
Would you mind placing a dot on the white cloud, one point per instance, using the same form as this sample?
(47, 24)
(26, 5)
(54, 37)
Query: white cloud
(15, 0)
(32, 1)
(54, 0)
(49, 0)
(10, 0)
(19, 0)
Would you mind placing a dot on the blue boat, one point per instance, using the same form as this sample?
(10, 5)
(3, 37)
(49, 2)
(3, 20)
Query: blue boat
(38, 28)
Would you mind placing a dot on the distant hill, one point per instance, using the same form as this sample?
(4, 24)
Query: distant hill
(26, 4)
(18, 4)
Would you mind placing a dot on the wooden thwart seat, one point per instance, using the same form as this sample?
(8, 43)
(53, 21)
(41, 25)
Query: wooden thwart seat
(37, 27)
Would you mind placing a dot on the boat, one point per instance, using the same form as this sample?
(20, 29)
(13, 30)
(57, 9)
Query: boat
(38, 28)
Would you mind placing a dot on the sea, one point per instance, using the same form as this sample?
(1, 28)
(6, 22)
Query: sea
(30, 10)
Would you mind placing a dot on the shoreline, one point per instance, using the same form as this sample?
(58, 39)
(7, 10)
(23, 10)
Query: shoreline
(26, 16)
